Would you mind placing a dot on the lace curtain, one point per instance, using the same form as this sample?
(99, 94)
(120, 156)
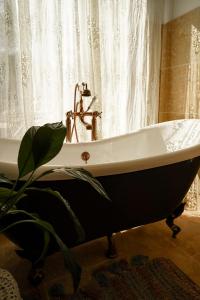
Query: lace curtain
(46, 46)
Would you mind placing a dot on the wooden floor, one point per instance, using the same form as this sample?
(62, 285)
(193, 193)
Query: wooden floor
(153, 240)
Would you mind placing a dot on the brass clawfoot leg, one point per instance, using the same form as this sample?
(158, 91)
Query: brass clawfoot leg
(170, 220)
(36, 274)
(111, 251)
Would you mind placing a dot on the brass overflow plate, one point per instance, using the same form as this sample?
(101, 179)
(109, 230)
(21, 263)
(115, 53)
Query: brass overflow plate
(85, 156)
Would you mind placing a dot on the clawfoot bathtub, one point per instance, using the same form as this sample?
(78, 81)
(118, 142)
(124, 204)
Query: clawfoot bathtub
(146, 173)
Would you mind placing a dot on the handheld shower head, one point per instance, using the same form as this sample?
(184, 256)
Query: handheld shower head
(86, 92)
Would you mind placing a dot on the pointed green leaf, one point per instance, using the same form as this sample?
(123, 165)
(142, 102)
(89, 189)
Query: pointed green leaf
(26, 162)
(8, 200)
(84, 175)
(4, 179)
(81, 174)
(45, 246)
(69, 261)
(5, 193)
(77, 226)
(47, 142)
(10, 194)
(43, 174)
(39, 145)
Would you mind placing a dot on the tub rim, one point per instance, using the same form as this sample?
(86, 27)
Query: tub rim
(116, 167)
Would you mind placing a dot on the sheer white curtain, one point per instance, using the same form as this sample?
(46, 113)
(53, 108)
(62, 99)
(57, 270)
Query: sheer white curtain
(46, 46)
(130, 34)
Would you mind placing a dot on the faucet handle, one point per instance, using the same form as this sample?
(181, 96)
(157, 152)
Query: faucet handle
(97, 114)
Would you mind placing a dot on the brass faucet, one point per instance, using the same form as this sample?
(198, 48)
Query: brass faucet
(79, 112)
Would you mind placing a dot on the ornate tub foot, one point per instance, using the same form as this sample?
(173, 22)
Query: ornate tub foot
(111, 251)
(170, 220)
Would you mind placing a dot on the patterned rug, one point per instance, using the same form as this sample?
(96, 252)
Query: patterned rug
(142, 279)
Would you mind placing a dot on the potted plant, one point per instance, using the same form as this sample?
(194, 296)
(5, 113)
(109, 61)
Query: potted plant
(38, 146)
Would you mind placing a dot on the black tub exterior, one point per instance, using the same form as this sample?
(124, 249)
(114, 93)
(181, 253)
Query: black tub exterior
(137, 198)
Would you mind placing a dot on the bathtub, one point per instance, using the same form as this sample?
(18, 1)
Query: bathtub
(146, 173)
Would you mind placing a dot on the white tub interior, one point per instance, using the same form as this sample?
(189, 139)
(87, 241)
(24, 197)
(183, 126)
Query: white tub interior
(152, 146)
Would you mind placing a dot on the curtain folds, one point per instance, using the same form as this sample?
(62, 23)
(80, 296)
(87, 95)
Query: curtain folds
(47, 46)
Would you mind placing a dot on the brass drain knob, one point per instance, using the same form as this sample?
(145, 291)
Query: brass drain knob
(85, 156)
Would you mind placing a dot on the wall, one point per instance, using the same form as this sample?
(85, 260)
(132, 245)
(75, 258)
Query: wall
(180, 77)
(180, 68)
(177, 8)
(168, 10)
(180, 7)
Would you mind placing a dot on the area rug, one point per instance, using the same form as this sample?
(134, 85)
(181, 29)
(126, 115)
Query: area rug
(141, 279)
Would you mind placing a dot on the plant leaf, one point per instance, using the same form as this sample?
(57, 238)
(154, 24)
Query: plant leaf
(46, 245)
(47, 142)
(79, 229)
(5, 193)
(39, 145)
(43, 174)
(26, 162)
(4, 179)
(81, 174)
(8, 200)
(84, 175)
(69, 261)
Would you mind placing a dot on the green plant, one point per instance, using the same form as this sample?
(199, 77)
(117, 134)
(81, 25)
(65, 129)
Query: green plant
(38, 146)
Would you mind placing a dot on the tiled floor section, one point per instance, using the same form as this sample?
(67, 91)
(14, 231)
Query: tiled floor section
(152, 240)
